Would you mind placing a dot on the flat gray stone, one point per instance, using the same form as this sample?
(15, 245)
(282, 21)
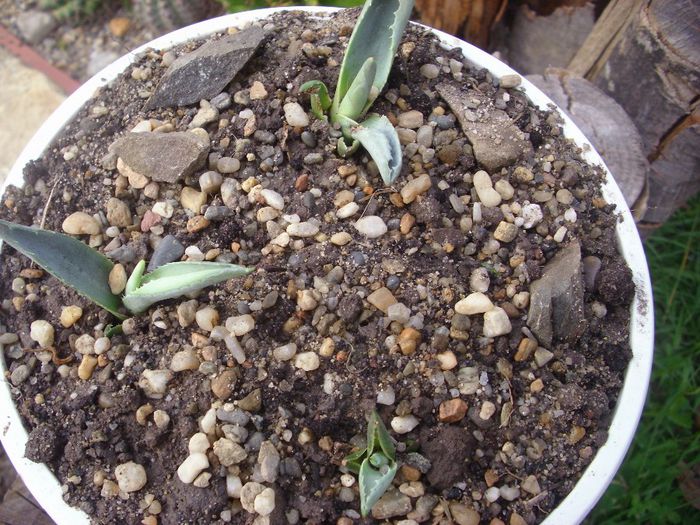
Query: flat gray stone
(204, 72)
(495, 139)
(169, 249)
(34, 26)
(391, 504)
(163, 157)
(556, 299)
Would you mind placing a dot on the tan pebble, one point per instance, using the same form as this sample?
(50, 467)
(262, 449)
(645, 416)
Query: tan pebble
(222, 385)
(452, 411)
(536, 386)
(192, 199)
(491, 477)
(347, 169)
(407, 222)
(86, 367)
(207, 318)
(70, 315)
(149, 520)
(136, 180)
(410, 473)
(522, 174)
(117, 279)
(197, 223)
(408, 340)
(505, 232)
(81, 223)
(415, 187)
(341, 238)
(517, 519)
(447, 360)
(302, 183)
(577, 433)
(257, 91)
(118, 26)
(143, 412)
(327, 347)
(118, 213)
(525, 349)
(531, 485)
(382, 299)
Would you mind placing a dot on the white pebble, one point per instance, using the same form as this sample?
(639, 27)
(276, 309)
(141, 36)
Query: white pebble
(285, 352)
(154, 383)
(532, 215)
(199, 443)
(192, 466)
(484, 188)
(404, 424)
(307, 361)
(273, 199)
(398, 312)
(295, 115)
(233, 486)
(371, 226)
(496, 322)
(42, 332)
(208, 421)
(386, 396)
(302, 229)
(474, 303)
(348, 210)
(265, 502)
(130, 476)
(240, 325)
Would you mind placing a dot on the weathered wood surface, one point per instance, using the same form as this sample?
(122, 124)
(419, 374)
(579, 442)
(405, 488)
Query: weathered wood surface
(650, 64)
(470, 19)
(606, 125)
(537, 42)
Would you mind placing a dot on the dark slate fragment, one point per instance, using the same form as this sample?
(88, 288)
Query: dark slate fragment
(556, 299)
(169, 249)
(205, 72)
(163, 157)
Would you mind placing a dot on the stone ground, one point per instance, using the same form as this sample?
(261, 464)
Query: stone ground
(27, 97)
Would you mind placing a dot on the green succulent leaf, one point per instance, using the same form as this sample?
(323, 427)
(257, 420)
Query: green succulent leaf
(113, 329)
(379, 437)
(69, 260)
(374, 481)
(135, 278)
(357, 98)
(379, 138)
(178, 278)
(318, 88)
(377, 34)
(353, 461)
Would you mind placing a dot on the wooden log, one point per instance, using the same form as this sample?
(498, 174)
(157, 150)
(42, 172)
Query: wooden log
(606, 125)
(470, 19)
(648, 60)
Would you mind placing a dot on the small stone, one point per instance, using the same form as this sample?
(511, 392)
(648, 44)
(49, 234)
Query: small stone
(130, 476)
(530, 484)
(484, 189)
(505, 232)
(453, 410)
(210, 181)
(154, 383)
(285, 352)
(207, 318)
(407, 222)
(197, 223)
(117, 279)
(386, 396)
(398, 312)
(463, 515)
(302, 229)
(488, 409)
(415, 187)
(348, 210)
(496, 322)
(264, 502)
(531, 215)
(404, 424)
(525, 349)
(341, 238)
(161, 419)
(186, 313)
(269, 462)
(504, 189)
(85, 344)
(371, 226)
(19, 375)
(382, 299)
(479, 280)
(42, 332)
(35, 25)
(80, 223)
(193, 465)
(408, 340)
(266, 213)
(249, 492)
(86, 367)
(543, 356)
(118, 26)
(295, 115)
(222, 385)
(474, 303)
(391, 504)
(240, 325)
(169, 249)
(410, 119)
(273, 199)
(429, 71)
(192, 199)
(136, 180)
(228, 165)
(228, 452)
(510, 81)
(70, 315)
(118, 213)
(257, 91)
(252, 402)
(447, 360)
(307, 361)
(509, 493)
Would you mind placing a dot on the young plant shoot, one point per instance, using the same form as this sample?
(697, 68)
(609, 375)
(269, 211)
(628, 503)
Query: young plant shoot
(363, 74)
(375, 464)
(87, 271)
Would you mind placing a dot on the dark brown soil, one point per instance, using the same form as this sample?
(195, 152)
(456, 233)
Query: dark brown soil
(84, 428)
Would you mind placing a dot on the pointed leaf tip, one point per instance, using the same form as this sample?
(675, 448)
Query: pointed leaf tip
(379, 138)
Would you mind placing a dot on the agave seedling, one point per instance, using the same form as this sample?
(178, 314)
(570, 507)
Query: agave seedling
(363, 74)
(375, 464)
(87, 271)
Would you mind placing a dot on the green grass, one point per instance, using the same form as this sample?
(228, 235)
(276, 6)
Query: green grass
(646, 490)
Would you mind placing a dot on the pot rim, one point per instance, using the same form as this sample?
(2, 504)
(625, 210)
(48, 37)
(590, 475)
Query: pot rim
(602, 469)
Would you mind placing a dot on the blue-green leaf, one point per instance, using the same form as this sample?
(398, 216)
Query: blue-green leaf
(379, 138)
(178, 278)
(377, 34)
(353, 461)
(375, 481)
(69, 260)
(381, 440)
(135, 278)
(357, 98)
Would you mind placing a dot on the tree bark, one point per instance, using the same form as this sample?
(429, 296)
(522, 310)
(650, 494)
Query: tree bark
(646, 55)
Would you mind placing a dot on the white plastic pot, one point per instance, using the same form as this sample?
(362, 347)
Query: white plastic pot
(574, 508)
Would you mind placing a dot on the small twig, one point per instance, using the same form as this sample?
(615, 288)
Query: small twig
(47, 205)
